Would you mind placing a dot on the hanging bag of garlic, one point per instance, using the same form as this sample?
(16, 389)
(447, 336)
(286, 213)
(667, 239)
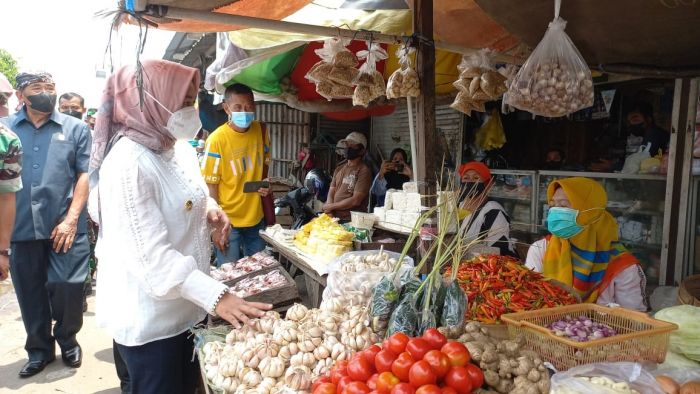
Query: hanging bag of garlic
(369, 82)
(334, 74)
(404, 81)
(555, 80)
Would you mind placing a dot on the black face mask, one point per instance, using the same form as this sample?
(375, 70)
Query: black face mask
(637, 129)
(75, 114)
(473, 189)
(43, 102)
(353, 153)
(553, 165)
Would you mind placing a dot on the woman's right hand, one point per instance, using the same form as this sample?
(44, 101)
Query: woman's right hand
(386, 167)
(238, 311)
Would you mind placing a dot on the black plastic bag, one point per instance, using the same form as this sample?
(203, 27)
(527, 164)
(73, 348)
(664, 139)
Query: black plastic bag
(385, 296)
(409, 285)
(426, 320)
(454, 307)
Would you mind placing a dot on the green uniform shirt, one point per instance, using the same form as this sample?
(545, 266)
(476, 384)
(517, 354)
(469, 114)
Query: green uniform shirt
(10, 161)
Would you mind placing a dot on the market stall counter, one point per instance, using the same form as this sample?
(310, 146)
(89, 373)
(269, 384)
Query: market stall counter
(288, 255)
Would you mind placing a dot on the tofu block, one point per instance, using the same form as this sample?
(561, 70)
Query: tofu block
(409, 220)
(399, 201)
(393, 216)
(410, 187)
(380, 213)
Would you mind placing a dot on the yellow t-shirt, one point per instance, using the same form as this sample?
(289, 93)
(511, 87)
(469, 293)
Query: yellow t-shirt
(231, 159)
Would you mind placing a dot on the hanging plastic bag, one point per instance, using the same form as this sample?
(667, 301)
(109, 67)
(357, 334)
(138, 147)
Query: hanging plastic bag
(491, 134)
(555, 80)
(333, 75)
(404, 81)
(605, 378)
(369, 81)
(478, 83)
(634, 161)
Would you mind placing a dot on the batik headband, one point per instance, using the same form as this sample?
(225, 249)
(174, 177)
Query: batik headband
(27, 78)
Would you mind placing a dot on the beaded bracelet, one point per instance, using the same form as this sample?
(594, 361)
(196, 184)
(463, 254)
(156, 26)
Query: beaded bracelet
(216, 303)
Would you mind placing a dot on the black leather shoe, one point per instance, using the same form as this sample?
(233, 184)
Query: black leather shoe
(73, 357)
(32, 368)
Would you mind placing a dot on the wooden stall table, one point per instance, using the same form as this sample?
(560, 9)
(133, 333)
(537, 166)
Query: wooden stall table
(315, 282)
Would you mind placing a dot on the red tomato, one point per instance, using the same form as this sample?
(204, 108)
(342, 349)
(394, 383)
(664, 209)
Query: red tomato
(457, 353)
(421, 374)
(325, 388)
(476, 375)
(320, 381)
(397, 342)
(375, 392)
(372, 382)
(439, 363)
(360, 369)
(342, 364)
(403, 388)
(356, 388)
(435, 338)
(343, 382)
(383, 360)
(417, 347)
(337, 374)
(448, 390)
(429, 389)
(458, 379)
(371, 352)
(401, 366)
(385, 344)
(386, 382)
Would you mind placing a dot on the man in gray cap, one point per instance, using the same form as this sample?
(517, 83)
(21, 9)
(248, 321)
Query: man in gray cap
(49, 250)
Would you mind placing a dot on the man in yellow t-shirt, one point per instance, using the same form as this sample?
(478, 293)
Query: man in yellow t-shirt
(235, 154)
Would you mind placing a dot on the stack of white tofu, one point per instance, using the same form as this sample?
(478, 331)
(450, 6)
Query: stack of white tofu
(402, 208)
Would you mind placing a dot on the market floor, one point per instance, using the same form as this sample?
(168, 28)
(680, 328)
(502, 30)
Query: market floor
(96, 375)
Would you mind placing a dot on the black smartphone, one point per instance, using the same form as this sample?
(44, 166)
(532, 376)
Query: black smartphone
(252, 187)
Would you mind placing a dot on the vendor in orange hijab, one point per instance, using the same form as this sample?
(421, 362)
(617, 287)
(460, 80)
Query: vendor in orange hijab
(482, 218)
(583, 250)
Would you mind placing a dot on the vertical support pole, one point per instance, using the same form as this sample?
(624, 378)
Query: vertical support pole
(676, 220)
(426, 133)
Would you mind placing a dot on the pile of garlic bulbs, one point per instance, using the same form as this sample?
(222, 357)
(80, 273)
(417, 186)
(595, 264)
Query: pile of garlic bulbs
(274, 355)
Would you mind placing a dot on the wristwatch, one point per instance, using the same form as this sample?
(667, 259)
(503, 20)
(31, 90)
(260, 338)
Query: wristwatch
(6, 252)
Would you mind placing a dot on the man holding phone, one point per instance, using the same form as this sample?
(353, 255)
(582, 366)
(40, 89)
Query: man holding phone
(234, 158)
(393, 174)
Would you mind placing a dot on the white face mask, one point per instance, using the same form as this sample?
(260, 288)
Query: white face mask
(183, 124)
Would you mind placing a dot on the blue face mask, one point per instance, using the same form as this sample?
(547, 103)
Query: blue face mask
(242, 119)
(561, 222)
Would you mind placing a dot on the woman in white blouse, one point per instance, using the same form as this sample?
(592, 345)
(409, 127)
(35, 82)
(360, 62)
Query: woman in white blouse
(152, 207)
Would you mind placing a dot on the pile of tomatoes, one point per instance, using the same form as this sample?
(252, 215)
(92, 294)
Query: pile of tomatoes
(422, 365)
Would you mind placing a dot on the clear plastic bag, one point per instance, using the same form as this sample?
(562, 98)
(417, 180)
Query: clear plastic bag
(634, 161)
(404, 81)
(333, 75)
(634, 375)
(453, 309)
(478, 83)
(385, 296)
(404, 318)
(359, 285)
(555, 80)
(369, 81)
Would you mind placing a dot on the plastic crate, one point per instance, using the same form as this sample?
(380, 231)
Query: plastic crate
(639, 338)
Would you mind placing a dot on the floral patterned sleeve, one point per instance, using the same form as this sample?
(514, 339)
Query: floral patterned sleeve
(10, 161)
